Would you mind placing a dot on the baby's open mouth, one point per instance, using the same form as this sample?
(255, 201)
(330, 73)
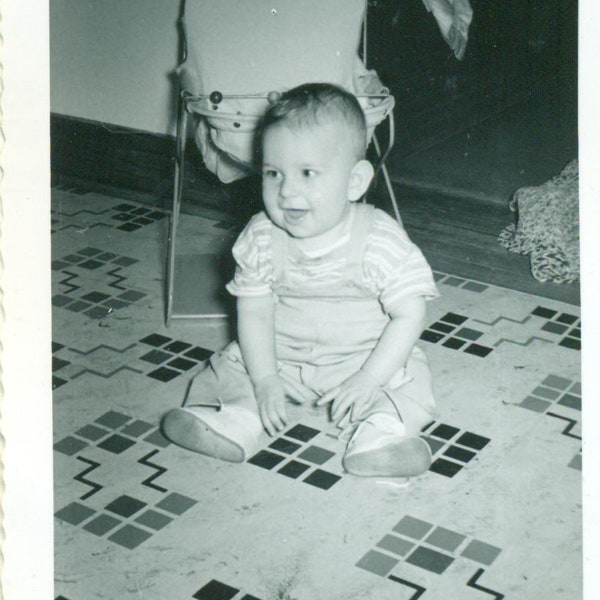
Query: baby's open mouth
(294, 215)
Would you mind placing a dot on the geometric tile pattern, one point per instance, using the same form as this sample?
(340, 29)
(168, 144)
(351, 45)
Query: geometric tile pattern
(124, 216)
(422, 544)
(454, 449)
(554, 392)
(459, 282)
(83, 291)
(451, 333)
(113, 432)
(159, 357)
(566, 326)
(216, 590)
(304, 464)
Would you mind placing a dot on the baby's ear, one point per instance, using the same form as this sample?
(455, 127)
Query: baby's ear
(360, 178)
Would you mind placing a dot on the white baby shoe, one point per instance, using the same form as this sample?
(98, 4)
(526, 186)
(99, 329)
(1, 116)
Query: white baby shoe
(226, 433)
(381, 448)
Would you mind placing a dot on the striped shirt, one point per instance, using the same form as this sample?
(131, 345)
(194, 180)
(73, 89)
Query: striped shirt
(393, 268)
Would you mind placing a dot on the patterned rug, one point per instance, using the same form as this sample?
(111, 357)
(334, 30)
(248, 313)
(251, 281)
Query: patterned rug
(498, 515)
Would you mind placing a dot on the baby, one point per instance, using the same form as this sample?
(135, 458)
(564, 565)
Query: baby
(331, 300)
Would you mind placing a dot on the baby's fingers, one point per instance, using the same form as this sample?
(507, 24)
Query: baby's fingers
(274, 418)
(328, 397)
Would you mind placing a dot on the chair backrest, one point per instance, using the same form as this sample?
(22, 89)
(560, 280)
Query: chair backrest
(255, 46)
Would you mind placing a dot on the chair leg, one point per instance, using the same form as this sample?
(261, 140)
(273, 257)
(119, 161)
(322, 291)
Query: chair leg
(176, 205)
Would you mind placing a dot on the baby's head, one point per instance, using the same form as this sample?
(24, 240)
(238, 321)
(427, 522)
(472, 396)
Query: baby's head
(313, 142)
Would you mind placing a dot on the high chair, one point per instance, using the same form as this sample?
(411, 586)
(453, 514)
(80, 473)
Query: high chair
(238, 56)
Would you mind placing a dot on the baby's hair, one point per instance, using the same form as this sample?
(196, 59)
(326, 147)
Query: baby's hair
(313, 104)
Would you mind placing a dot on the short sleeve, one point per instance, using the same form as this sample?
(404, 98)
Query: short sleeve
(394, 266)
(252, 253)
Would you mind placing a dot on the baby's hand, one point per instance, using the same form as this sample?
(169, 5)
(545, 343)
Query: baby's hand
(353, 396)
(270, 396)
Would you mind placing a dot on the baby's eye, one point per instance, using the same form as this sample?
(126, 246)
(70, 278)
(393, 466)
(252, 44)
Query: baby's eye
(270, 173)
(308, 173)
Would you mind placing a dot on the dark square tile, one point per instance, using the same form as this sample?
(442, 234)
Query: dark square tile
(129, 537)
(153, 519)
(57, 382)
(570, 343)
(142, 221)
(571, 401)
(59, 363)
(116, 444)
(445, 467)
(302, 433)
(412, 527)
(552, 327)
(106, 257)
(249, 597)
(575, 333)
(57, 265)
(481, 552)
(73, 258)
(215, 590)
(177, 346)
(156, 357)
(95, 297)
(546, 393)
(454, 281)
(477, 350)
(155, 339)
(472, 440)
(559, 383)
(182, 364)
(377, 563)
(433, 561)
(293, 469)
(115, 304)
(61, 300)
(97, 312)
(176, 503)
(74, 513)
(322, 479)
(266, 459)
(124, 206)
(128, 227)
(566, 318)
(56, 347)
(443, 327)
(137, 428)
(283, 445)
(158, 439)
(473, 286)
(446, 539)
(454, 343)
(90, 264)
(131, 296)
(434, 445)
(396, 545)
(140, 211)
(156, 215)
(125, 506)
(469, 334)
(163, 374)
(91, 432)
(125, 261)
(316, 455)
(89, 251)
(70, 445)
(123, 217)
(78, 306)
(446, 432)
(112, 419)
(431, 336)
(545, 313)
(198, 353)
(453, 318)
(459, 454)
(535, 404)
(102, 524)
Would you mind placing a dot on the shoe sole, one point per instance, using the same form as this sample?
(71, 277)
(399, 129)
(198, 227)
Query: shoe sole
(407, 457)
(188, 430)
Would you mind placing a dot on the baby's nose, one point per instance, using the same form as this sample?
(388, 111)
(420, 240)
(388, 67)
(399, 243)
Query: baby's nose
(288, 187)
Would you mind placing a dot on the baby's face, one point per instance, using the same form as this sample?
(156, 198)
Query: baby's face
(306, 178)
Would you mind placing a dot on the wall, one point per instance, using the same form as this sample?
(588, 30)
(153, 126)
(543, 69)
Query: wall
(110, 61)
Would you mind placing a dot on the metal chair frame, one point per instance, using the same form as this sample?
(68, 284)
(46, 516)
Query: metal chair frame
(197, 104)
